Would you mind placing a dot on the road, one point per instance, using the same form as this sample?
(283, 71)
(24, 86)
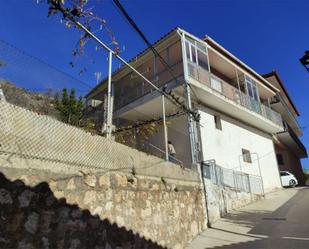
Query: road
(279, 221)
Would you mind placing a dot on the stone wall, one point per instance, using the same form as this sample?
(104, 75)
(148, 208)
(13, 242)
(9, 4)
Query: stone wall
(222, 200)
(62, 187)
(43, 209)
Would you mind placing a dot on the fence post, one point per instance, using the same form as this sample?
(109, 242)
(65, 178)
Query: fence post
(250, 190)
(249, 187)
(234, 178)
(216, 175)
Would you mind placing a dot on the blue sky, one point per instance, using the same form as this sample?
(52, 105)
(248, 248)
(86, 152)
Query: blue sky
(266, 35)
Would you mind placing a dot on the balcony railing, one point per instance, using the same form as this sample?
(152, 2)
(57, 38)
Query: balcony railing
(142, 88)
(232, 93)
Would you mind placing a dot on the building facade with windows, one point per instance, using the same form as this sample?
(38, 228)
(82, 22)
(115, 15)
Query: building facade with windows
(236, 121)
(288, 146)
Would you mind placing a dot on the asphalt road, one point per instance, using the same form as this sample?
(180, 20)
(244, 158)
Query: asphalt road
(279, 221)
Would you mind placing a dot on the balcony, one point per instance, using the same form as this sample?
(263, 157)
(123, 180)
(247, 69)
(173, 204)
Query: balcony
(290, 139)
(279, 104)
(234, 89)
(126, 94)
(218, 93)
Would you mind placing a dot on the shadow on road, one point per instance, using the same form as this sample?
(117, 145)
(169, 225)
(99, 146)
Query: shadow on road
(286, 227)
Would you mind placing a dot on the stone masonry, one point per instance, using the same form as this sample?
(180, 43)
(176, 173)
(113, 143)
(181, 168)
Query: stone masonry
(102, 211)
(64, 188)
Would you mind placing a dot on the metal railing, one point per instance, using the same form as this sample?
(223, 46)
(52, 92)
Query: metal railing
(234, 94)
(276, 99)
(141, 88)
(161, 153)
(231, 178)
(259, 108)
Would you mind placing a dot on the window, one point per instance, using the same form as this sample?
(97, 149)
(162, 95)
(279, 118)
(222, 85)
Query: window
(252, 88)
(216, 84)
(196, 53)
(218, 122)
(280, 159)
(246, 155)
(282, 173)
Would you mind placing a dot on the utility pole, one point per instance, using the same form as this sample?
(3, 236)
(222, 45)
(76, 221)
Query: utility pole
(109, 99)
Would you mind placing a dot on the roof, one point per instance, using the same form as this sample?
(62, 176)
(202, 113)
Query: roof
(238, 62)
(133, 58)
(206, 39)
(276, 75)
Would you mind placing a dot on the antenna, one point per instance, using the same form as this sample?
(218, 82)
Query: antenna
(98, 76)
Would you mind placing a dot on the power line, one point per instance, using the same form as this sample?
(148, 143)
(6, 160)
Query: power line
(143, 36)
(148, 43)
(23, 53)
(150, 121)
(67, 14)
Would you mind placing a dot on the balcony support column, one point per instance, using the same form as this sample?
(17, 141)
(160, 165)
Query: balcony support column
(238, 85)
(164, 128)
(237, 78)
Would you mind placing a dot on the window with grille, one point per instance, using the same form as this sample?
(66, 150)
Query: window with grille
(218, 122)
(246, 155)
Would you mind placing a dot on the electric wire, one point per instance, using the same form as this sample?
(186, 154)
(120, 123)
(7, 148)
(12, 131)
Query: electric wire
(22, 53)
(148, 43)
(67, 14)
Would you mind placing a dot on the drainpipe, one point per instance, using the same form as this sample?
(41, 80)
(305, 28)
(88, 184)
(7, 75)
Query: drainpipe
(194, 138)
(201, 172)
(205, 194)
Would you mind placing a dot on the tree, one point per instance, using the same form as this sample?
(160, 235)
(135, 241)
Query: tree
(69, 107)
(72, 11)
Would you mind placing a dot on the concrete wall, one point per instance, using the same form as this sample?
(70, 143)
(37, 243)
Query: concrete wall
(225, 146)
(26, 134)
(291, 162)
(177, 131)
(222, 200)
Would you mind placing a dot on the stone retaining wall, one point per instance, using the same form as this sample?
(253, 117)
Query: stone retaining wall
(62, 187)
(43, 209)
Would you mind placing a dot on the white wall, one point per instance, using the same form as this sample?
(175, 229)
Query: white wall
(225, 146)
(177, 133)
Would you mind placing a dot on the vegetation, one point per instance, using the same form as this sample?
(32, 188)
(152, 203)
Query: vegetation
(70, 12)
(69, 107)
(137, 136)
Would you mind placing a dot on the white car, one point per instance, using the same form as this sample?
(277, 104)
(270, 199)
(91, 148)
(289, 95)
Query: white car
(288, 179)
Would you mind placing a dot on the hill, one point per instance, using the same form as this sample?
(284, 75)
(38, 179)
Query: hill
(42, 103)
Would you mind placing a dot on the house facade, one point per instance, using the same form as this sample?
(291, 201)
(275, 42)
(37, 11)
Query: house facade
(237, 120)
(288, 146)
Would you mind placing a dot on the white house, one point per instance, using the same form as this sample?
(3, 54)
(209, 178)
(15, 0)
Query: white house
(236, 124)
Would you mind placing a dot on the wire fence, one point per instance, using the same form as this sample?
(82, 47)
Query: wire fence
(33, 141)
(33, 84)
(231, 178)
